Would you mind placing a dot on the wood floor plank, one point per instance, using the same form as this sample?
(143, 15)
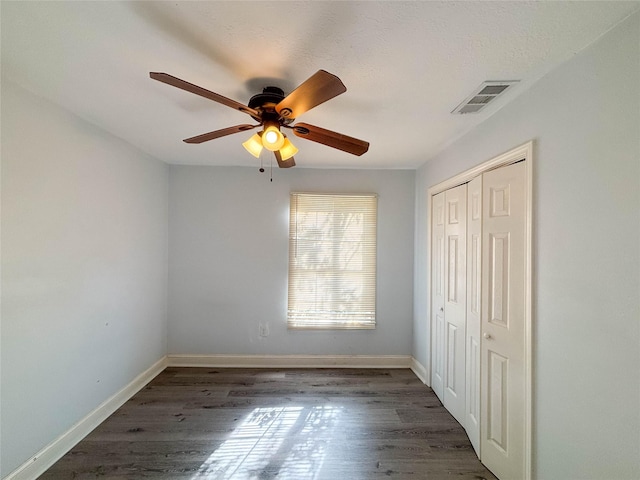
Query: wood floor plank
(288, 424)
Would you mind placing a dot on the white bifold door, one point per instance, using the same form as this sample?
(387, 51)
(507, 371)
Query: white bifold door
(474, 297)
(437, 294)
(478, 306)
(449, 305)
(502, 369)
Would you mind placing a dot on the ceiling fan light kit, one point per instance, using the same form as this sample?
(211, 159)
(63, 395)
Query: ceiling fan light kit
(273, 110)
(254, 145)
(272, 138)
(288, 149)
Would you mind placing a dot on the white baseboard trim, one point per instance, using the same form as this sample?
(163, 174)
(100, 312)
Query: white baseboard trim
(50, 454)
(290, 361)
(419, 370)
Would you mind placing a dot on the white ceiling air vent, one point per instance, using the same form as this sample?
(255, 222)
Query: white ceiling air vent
(483, 95)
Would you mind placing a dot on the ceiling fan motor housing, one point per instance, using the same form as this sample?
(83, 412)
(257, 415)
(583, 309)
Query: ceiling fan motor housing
(265, 103)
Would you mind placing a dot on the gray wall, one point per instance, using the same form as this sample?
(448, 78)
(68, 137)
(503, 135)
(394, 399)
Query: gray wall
(84, 270)
(228, 261)
(585, 121)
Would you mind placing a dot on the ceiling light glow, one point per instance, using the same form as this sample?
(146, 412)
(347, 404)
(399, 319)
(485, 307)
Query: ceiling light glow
(272, 138)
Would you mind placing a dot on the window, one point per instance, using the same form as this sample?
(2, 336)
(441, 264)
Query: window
(332, 261)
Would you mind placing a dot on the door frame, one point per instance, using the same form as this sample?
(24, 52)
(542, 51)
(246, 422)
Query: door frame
(523, 152)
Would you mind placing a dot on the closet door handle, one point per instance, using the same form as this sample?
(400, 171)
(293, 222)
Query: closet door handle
(487, 336)
(441, 309)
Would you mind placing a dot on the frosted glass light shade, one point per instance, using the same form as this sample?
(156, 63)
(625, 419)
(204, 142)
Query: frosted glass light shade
(272, 138)
(287, 150)
(254, 145)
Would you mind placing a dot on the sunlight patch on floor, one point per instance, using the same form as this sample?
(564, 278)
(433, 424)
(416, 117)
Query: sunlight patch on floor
(288, 443)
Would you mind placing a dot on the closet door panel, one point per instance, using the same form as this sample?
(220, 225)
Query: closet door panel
(503, 310)
(455, 232)
(438, 288)
(474, 295)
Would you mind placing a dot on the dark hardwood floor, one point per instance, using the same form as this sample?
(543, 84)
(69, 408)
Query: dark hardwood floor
(246, 424)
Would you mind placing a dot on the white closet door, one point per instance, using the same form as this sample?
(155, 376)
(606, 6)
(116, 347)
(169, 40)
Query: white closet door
(455, 301)
(503, 310)
(437, 294)
(474, 295)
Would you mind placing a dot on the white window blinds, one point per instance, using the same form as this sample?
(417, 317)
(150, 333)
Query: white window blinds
(332, 261)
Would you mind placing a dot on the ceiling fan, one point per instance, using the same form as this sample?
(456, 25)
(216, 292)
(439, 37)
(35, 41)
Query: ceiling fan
(273, 110)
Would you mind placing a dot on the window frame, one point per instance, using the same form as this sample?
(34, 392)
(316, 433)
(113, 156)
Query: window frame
(363, 317)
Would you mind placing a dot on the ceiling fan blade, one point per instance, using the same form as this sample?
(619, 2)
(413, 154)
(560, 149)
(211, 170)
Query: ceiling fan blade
(331, 139)
(190, 87)
(317, 89)
(205, 137)
(288, 163)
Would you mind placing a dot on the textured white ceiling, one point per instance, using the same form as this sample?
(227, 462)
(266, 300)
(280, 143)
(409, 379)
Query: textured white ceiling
(406, 65)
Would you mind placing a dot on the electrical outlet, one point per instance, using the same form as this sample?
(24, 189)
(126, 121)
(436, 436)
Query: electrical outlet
(263, 329)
